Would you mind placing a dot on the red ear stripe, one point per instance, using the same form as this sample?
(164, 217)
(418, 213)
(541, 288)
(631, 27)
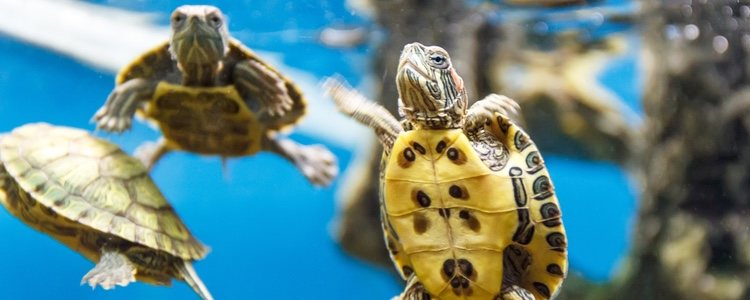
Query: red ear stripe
(458, 80)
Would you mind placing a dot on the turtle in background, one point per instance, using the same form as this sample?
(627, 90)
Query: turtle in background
(467, 206)
(91, 196)
(211, 95)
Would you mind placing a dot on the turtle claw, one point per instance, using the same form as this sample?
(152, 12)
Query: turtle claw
(113, 269)
(280, 106)
(111, 123)
(116, 115)
(485, 109)
(317, 164)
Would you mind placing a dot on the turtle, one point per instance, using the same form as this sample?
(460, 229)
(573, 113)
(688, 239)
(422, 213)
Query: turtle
(211, 95)
(468, 209)
(88, 194)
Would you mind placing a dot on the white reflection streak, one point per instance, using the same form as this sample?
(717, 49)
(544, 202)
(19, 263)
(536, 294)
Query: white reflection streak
(109, 38)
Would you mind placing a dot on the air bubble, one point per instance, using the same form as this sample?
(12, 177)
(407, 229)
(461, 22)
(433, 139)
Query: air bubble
(721, 44)
(692, 32)
(540, 27)
(745, 11)
(671, 32)
(598, 19)
(727, 11)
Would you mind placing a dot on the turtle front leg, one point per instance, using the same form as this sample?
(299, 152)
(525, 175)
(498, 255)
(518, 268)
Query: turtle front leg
(483, 111)
(254, 80)
(113, 268)
(149, 153)
(358, 107)
(116, 115)
(316, 162)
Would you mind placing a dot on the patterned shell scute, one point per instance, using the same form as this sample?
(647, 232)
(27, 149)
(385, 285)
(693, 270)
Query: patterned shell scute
(449, 176)
(208, 120)
(457, 213)
(224, 103)
(454, 222)
(94, 183)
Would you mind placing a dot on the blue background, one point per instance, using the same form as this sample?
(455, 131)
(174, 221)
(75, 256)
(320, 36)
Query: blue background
(268, 228)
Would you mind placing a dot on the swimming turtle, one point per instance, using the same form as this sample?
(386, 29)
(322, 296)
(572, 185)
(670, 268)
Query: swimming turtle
(209, 94)
(89, 195)
(467, 205)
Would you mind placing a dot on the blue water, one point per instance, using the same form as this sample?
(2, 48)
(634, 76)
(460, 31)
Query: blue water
(268, 228)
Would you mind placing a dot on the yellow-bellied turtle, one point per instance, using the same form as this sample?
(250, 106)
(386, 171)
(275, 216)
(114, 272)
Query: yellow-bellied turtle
(89, 195)
(209, 94)
(467, 205)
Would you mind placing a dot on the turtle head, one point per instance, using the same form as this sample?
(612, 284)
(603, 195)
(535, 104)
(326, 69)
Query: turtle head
(199, 35)
(431, 94)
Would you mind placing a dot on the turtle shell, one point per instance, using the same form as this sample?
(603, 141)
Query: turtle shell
(213, 119)
(460, 226)
(74, 185)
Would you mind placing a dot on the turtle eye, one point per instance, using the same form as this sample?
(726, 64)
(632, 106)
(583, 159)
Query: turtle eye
(439, 61)
(178, 19)
(214, 20)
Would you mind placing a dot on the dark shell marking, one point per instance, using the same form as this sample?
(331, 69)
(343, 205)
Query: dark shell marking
(441, 146)
(542, 289)
(457, 273)
(542, 188)
(551, 214)
(521, 140)
(449, 268)
(422, 199)
(419, 148)
(406, 159)
(519, 192)
(421, 223)
(523, 222)
(471, 221)
(458, 192)
(409, 154)
(556, 241)
(534, 162)
(555, 269)
(407, 271)
(456, 156)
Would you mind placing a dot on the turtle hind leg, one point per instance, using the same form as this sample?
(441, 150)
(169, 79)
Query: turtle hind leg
(113, 268)
(414, 291)
(149, 153)
(316, 162)
(515, 293)
(188, 274)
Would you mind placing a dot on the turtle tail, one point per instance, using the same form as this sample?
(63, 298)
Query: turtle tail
(185, 270)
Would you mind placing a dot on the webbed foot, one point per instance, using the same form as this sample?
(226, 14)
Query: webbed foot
(484, 110)
(261, 83)
(151, 152)
(315, 162)
(116, 115)
(112, 269)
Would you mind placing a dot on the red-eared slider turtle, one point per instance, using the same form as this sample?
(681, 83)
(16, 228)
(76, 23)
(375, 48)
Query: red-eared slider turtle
(209, 94)
(91, 196)
(468, 208)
